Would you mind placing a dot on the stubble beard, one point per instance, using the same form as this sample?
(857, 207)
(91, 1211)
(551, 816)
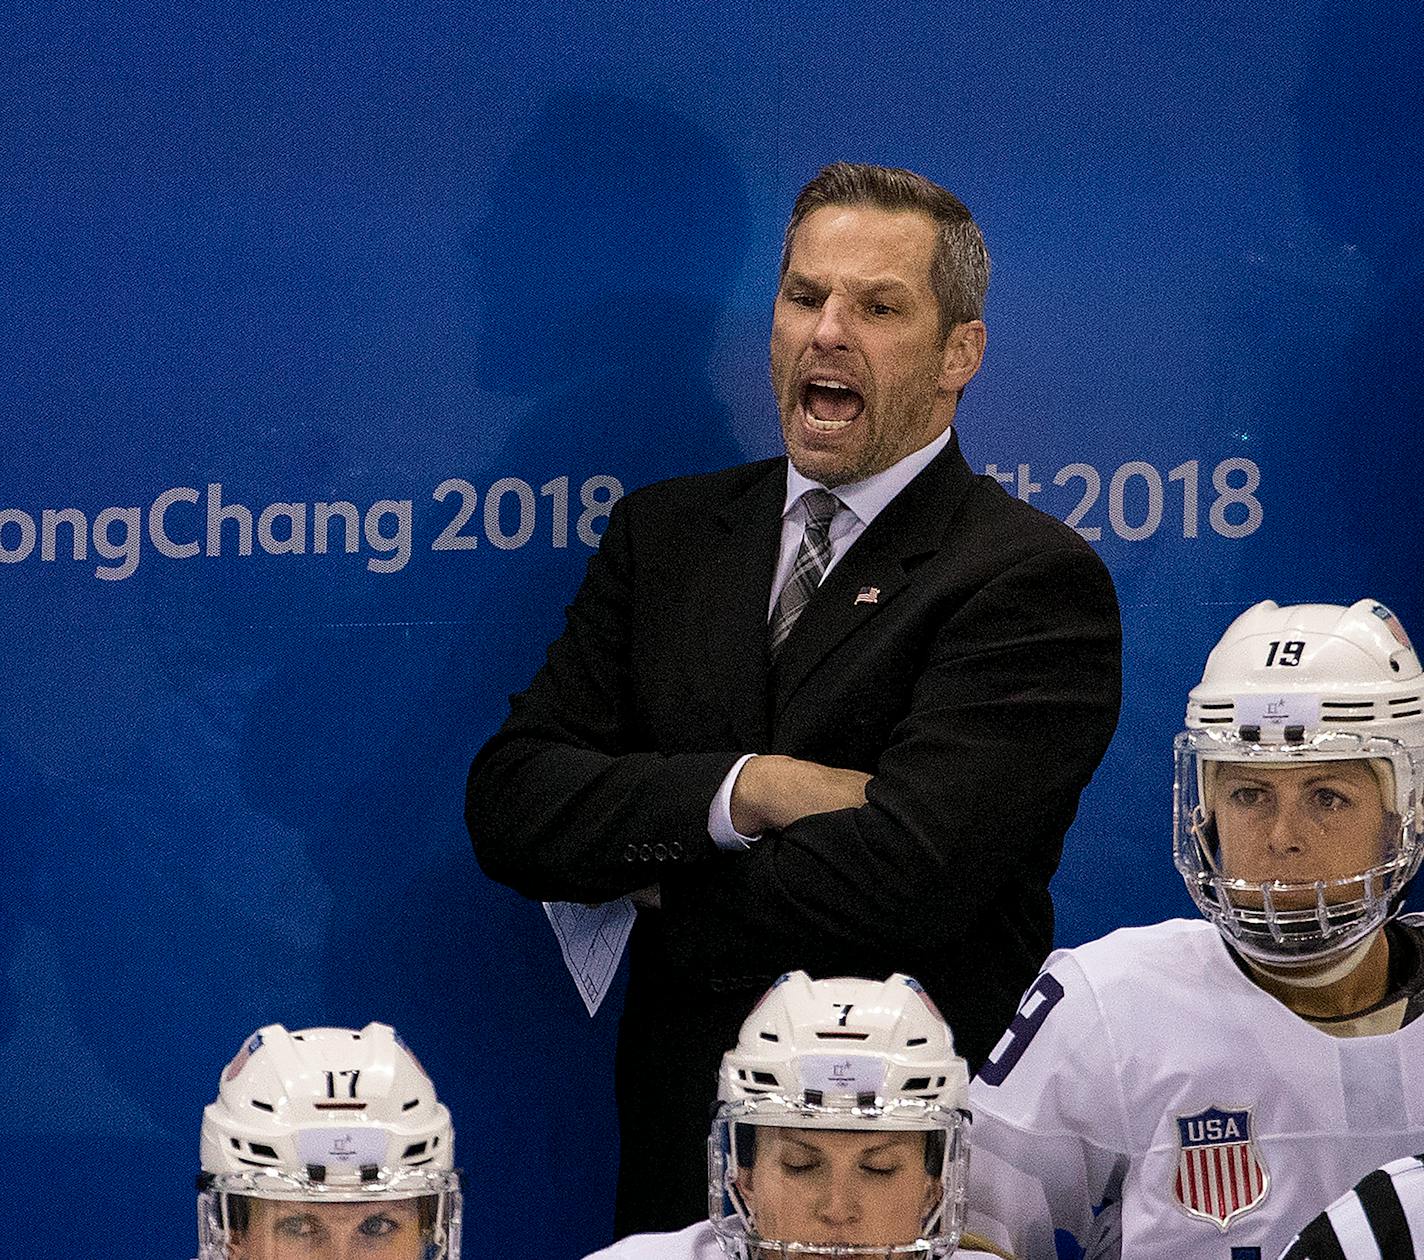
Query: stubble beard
(896, 425)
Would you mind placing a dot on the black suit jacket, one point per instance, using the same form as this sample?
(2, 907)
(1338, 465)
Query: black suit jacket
(979, 687)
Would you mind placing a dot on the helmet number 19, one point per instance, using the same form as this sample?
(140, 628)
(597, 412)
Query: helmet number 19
(1285, 652)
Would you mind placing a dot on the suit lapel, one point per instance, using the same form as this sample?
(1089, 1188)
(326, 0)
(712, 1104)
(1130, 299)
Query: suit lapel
(874, 571)
(741, 563)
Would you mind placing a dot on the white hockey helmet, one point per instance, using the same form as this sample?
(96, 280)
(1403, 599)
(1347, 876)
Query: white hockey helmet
(311, 1127)
(1288, 686)
(849, 1055)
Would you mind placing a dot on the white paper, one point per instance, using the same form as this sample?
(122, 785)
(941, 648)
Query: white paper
(592, 939)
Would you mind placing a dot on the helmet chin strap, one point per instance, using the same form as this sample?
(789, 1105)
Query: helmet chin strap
(1302, 977)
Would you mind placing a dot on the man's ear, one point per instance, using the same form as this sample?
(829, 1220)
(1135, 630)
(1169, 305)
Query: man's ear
(963, 353)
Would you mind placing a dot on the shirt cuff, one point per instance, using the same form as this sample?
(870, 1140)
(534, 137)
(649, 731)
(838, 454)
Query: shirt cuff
(719, 813)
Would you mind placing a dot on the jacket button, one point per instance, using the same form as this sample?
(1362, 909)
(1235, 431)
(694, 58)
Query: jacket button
(660, 852)
(630, 854)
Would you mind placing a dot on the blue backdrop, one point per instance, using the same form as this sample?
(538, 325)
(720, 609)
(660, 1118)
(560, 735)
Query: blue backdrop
(330, 333)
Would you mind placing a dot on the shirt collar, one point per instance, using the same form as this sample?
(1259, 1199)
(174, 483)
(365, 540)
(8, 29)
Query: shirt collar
(868, 498)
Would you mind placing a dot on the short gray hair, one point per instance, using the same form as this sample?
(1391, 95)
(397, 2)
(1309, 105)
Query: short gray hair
(959, 269)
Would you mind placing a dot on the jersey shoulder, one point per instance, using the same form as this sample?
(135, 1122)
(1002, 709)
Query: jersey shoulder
(1137, 957)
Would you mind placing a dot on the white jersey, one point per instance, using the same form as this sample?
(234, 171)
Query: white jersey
(1146, 1072)
(697, 1242)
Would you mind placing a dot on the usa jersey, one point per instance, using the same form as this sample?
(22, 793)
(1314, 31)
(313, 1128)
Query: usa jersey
(697, 1242)
(1146, 1073)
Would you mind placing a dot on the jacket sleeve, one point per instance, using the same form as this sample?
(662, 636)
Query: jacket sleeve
(566, 801)
(1049, 1140)
(1008, 717)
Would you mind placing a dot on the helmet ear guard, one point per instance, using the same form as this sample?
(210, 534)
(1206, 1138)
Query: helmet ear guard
(1289, 687)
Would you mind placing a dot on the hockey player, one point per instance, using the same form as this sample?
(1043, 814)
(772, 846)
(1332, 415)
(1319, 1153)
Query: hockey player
(840, 1132)
(327, 1144)
(1197, 1089)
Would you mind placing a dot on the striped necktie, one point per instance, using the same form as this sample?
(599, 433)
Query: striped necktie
(809, 566)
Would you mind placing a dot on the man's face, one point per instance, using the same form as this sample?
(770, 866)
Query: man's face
(832, 1188)
(862, 372)
(1299, 824)
(388, 1230)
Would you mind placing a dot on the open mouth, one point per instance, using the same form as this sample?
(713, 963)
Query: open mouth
(830, 404)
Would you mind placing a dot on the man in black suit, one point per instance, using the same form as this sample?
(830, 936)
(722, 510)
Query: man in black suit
(844, 733)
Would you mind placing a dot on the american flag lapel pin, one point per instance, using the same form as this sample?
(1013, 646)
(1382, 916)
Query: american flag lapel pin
(868, 595)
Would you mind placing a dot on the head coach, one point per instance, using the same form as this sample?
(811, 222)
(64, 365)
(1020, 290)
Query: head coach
(837, 708)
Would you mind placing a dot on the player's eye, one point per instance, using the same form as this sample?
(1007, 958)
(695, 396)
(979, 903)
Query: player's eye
(378, 1226)
(1329, 798)
(882, 308)
(794, 1166)
(1247, 796)
(881, 1170)
(299, 1225)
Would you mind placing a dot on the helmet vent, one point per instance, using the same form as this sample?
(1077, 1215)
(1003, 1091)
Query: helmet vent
(918, 1082)
(414, 1102)
(263, 1106)
(842, 1036)
(262, 1150)
(415, 1148)
(916, 1041)
(766, 1036)
(765, 1078)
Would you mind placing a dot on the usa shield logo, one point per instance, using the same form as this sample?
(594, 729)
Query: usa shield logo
(1219, 1174)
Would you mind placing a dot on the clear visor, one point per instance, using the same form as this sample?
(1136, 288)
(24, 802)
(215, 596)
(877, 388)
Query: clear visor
(1297, 852)
(792, 1180)
(411, 1215)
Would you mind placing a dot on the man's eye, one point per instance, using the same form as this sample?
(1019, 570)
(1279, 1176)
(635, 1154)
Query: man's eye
(880, 308)
(801, 299)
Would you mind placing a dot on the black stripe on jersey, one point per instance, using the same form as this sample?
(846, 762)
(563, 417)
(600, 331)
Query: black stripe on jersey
(1317, 1241)
(1385, 1215)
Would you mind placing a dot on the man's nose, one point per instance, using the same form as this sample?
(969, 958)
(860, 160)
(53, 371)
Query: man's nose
(832, 328)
